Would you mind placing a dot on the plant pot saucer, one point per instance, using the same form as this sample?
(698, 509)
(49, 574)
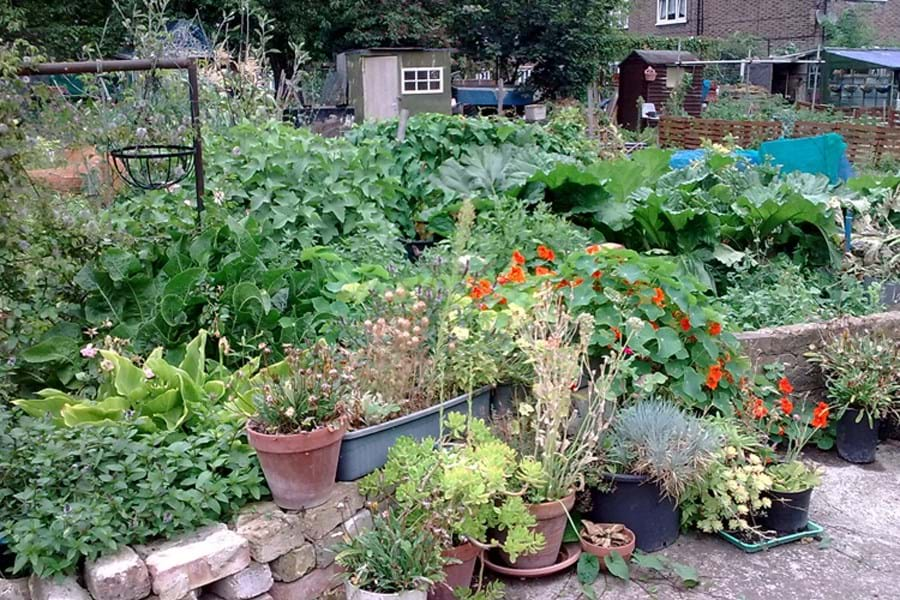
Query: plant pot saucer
(568, 556)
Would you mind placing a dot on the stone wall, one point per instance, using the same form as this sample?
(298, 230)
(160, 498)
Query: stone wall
(265, 554)
(787, 345)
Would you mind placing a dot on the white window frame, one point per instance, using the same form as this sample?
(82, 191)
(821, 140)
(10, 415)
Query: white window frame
(620, 16)
(428, 78)
(663, 9)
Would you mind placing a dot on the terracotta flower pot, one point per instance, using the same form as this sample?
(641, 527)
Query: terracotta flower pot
(625, 551)
(354, 593)
(300, 468)
(457, 575)
(551, 521)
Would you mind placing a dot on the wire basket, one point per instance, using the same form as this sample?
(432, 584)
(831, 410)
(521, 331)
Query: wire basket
(153, 166)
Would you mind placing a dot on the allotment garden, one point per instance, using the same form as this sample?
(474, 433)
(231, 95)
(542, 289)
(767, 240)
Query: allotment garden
(434, 363)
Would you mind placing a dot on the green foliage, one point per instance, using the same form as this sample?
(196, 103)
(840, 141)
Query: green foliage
(565, 36)
(306, 190)
(657, 439)
(394, 555)
(782, 292)
(850, 29)
(463, 487)
(69, 494)
(734, 486)
(706, 214)
(793, 476)
(862, 372)
(304, 392)
(158, 397)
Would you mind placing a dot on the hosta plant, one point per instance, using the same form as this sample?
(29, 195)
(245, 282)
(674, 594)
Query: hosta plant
(462, 488)
(155, 395)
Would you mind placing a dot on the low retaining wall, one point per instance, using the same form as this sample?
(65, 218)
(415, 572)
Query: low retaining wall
(787, 345)
(265, 554)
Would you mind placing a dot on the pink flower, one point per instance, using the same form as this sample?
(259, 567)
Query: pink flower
(628, 351)
(89, 351)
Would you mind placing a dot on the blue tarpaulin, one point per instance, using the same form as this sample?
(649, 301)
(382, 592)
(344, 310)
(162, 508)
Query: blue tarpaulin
(683, 158)
(821, 154)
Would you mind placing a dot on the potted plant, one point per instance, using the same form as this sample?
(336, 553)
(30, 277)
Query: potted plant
(603, 539)
(558, 441)
(655, 453)
(393, 560)
(298, 422)
(862, 386)
(462, 488)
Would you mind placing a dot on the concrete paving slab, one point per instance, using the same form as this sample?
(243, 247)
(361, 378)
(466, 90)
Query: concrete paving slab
(859, 506)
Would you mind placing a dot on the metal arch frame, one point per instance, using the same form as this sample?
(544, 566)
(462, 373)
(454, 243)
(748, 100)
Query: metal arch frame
(110, 66)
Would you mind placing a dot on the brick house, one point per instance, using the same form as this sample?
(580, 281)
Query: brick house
(779, 23)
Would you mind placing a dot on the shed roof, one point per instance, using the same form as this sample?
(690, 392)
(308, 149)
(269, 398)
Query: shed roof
(888, 58)
(382, 50)
(663, 57)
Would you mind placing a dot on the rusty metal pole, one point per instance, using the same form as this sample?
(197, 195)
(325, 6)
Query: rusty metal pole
(194, 84)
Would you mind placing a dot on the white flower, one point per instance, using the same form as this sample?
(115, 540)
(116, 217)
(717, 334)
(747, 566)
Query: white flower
(107, 365)
(289, 412)
(148, 373)
(89, 351)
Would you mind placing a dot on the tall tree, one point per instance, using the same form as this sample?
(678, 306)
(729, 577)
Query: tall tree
(563, 38)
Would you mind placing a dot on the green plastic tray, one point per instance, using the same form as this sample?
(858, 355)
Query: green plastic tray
(813, 529)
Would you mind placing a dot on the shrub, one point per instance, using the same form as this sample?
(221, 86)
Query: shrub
(657, 439)
(69, 494)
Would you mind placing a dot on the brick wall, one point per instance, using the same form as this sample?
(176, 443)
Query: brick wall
(786, 345)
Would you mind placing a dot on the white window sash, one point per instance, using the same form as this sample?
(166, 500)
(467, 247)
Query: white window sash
(422, 75)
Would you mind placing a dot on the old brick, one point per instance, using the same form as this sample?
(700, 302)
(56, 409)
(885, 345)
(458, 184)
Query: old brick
(244, 585)
(270, 531)
(295, 564)
(14, 589)
(189, 562)
(325, 548)
(56, 589)
(309, 587)
(345, 501)
(119, 576)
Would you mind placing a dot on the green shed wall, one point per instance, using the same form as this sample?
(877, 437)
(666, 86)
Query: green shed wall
(415, 103)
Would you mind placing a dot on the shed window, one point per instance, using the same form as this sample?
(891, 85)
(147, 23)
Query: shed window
(423, 80)
(671, 11)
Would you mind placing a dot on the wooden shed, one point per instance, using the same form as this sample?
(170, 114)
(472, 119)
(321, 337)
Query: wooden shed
(634, 82)
(382, 81)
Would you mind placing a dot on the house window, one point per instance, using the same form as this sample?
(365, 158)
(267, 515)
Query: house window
(620, 17)
(423, 80)
(669, 12)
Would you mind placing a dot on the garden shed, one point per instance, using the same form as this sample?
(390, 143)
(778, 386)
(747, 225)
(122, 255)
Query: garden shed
(383, 81)
(653, 75)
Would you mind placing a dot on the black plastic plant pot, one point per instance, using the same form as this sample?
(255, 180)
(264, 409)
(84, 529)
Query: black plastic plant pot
(857, 442)
(639, 504)
(789, 512)
(415, 248)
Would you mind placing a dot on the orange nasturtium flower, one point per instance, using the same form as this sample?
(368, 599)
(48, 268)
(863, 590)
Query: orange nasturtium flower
(542, 270)
(685, 324)
(715, 328)
(596, 274)
(759, 409)
(787, 407)
(516, 274)
(713, 376)
(481, 289)
(545, 253)
(616, 332)
(820, 415)
(784, 386)
(659, 297)
(593, 249)
(518, 257)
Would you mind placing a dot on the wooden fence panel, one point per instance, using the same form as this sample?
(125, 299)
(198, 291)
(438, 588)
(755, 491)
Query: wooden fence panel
(866, 144)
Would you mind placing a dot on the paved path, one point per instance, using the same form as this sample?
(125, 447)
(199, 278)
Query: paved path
(860, 559)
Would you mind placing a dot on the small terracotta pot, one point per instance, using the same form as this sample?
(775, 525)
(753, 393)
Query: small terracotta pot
(552, 518)
(457, 575)
(625, 551)
(300, 468)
